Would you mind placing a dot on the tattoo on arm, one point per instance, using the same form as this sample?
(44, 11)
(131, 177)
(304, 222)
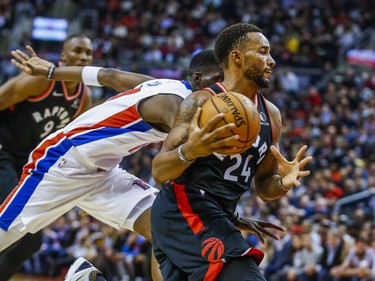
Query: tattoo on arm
(187, 110)
(185, 135)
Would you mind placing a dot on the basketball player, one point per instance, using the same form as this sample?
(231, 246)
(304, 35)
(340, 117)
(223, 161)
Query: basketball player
(193, 234)
(30, 109)
(99, 146)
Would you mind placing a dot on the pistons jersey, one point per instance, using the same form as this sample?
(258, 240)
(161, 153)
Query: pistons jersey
(25, 124)
(226, 178)
(105, 134)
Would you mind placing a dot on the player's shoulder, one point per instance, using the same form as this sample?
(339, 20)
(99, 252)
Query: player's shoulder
(272, 108)
(167, 83)
(274, 113)
(197, 98)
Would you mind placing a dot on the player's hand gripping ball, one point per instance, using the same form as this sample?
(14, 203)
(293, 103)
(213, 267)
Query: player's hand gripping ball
(237, 109)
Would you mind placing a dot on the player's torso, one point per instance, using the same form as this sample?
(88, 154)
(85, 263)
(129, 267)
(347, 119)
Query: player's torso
(227, 177)
(25, 124)
(114, 129)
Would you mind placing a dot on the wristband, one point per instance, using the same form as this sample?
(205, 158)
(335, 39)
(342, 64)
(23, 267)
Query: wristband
(182, 156)
(90, 75)
(281, 184)
(50, 72)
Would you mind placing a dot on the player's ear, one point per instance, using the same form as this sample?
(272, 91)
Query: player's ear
(236, 56)
(197, 77)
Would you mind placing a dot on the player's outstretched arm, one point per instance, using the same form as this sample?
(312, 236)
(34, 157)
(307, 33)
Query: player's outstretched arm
(276, 175)
(110, 77)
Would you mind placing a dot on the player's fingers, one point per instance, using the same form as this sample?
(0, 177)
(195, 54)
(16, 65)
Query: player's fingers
(31, 50)
(303, 174)
(276, 153)
(297, 183)
(261, 238)
(21, 67)
(196, 117)
(223, 131)
(270, 234)
(213, 122)
(265, 224)
(300, 152)
(17, 56)
(226, 141)
(16, 63)
(305, 161)
(262, 231)
(22, 54)
(257, 230)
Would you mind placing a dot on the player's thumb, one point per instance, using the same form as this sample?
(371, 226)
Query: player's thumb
(196, 117)
(276, 152)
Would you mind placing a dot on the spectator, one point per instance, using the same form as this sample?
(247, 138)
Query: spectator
(358, 265)
(334, 252)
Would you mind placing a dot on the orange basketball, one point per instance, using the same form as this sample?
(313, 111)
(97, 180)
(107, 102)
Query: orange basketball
(237, 109)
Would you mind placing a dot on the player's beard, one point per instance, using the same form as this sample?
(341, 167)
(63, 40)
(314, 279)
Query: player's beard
(255, 74)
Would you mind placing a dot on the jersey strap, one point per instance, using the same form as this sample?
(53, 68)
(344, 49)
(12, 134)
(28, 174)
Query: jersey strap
(216, 88)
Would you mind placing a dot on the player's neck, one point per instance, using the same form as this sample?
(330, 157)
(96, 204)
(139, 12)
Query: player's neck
(241, 86)
(71, 87)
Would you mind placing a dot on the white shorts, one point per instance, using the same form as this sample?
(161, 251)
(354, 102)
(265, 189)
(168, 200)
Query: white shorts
(116, 197)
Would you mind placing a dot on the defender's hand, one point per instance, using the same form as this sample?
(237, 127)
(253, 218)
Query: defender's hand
(32, 65)
(258, 227)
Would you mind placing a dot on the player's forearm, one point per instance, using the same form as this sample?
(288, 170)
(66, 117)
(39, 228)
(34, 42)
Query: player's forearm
(169, 165)
(121, 80)
(270, 188)
(109, 77)
(67, 73)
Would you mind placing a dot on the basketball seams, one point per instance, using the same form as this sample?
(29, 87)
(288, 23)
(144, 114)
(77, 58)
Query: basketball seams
(218, 111)
(240, 110)
(247, 122)
(245, 142)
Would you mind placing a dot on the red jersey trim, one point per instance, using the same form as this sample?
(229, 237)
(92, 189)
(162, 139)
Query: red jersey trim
(213, 271)
(212, 92)
(257, 255)
(221, 86)
(37, 153)
(74, 96)
(43, 95)
(84, 97)
(183, 204)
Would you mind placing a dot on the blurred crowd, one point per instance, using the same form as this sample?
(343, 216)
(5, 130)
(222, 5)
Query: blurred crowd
(330, 219)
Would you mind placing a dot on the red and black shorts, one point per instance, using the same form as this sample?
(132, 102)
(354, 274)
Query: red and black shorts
(193, 239)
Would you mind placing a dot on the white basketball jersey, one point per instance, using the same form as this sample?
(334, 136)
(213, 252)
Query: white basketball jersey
(105, 134)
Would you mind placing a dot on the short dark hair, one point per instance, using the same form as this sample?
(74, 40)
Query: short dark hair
(232, 37)
(205, 58)
(76, 35)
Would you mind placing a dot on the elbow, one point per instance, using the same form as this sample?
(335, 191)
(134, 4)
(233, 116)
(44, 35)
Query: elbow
(262, 196)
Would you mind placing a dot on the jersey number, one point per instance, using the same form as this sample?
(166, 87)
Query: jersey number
(48, 128)
(246, 170)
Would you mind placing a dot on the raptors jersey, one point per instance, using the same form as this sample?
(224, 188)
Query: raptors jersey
(226, 178)
(25, 124)
(114, 129)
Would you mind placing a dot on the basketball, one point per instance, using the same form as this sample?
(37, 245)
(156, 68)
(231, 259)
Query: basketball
(237, 109)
